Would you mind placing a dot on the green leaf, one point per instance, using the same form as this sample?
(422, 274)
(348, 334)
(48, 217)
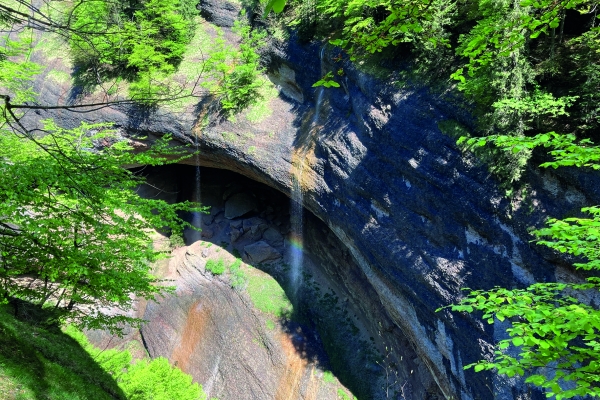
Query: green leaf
(275, 5)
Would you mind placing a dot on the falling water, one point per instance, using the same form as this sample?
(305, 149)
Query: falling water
(196, 216)
(296, 243)
(297, 205)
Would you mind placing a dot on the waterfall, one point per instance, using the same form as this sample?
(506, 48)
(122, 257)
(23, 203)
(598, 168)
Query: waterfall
(297, 201)
(196, 216)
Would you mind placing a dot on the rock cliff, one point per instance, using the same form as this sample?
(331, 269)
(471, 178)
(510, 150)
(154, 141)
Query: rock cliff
(418, 218)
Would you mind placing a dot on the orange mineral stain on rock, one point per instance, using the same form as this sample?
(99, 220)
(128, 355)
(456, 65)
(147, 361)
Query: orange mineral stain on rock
(194, 328)
(303, 160)
(293, 377)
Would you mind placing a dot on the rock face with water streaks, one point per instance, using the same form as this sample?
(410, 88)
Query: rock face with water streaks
(419, 218)
(214, 333)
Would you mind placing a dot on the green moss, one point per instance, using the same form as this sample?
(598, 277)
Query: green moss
(342, 395)
(267, 295)
(229, 136)
(328, 377)
(238, 276)
(270, 325)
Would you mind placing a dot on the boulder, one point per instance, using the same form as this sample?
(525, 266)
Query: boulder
(253, 228)
(207, 219)
(273, 237)
(211, 332)
(235, 234)
(259, 252)
(239, 205)
(220, 13)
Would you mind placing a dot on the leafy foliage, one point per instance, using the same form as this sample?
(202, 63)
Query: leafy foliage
(73, 231)
(157, 380)
(142, 380)
(556, 336)
(565, 149)
(234, 73)
(143, 41)
(554, 330)
(275, 5)
(327, 81)
(375, 24)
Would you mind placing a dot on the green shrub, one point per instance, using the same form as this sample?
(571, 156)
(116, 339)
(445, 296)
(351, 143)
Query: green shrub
(157, 380)
(143, 380)
(143, 43)
(235, 72)
(176, 241)
(238, 277)
(215, 267)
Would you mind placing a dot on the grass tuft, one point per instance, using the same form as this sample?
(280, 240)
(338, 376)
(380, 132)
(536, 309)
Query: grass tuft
(215, 267)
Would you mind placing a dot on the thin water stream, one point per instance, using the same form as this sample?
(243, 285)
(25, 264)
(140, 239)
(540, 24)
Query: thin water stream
(297, 202)
(196, 216)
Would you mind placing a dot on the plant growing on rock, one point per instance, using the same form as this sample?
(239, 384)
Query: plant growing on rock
(234, 73)
(215, 267)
